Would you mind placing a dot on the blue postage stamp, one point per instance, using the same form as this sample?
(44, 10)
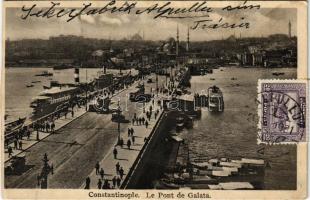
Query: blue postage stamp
(282, 111)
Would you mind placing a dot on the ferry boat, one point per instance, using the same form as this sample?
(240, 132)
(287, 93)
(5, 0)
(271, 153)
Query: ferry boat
(14, 126)
(63, 66)
(215, 99)
(278, 73)
(29, 85)
(45, 73)
(52, 99)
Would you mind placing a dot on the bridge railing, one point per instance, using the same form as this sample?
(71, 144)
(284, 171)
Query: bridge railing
(134, 166)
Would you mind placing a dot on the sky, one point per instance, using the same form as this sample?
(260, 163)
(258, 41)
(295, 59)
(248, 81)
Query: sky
(263, 22)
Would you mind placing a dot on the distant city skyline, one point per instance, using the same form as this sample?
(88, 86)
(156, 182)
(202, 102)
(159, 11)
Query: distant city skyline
(263, 23)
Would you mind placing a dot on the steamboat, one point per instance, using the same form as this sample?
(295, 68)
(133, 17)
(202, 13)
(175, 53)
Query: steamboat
(52, 99)
(215, 99)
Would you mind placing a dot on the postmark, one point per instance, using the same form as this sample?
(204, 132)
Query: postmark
(282, 111)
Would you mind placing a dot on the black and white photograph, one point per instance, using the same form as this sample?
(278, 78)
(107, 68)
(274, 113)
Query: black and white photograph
(135, 95)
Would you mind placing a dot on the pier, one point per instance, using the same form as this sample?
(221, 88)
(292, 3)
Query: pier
(81, 141)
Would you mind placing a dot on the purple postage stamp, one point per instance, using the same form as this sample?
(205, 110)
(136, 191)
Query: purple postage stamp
(282, 111)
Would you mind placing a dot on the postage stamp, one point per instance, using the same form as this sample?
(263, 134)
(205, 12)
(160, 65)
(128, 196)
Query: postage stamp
(282, 111)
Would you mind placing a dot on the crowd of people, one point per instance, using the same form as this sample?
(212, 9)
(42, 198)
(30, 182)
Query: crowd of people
(105, 183)
(117, 178)
(46, 125)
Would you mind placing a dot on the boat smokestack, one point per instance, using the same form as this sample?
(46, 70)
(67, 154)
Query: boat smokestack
(77, 75)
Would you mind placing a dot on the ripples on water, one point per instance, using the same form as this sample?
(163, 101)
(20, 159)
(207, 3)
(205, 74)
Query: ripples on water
(232, 134)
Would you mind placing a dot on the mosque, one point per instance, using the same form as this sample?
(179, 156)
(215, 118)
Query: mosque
(171, 50)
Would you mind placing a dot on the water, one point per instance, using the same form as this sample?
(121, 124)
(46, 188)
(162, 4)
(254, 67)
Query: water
(232, 134)
(18, 96)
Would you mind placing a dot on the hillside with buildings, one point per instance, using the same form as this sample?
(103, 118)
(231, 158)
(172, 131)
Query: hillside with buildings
(278, 50)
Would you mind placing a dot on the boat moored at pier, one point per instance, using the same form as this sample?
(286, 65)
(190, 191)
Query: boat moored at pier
(215, 99)
(52, 99)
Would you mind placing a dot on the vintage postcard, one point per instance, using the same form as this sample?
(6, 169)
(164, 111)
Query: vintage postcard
(154, 100)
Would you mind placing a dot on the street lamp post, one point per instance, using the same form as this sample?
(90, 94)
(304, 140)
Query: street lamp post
(86, 92)
(45, 171)
(119, 123)
(156, 78)
(38, 136)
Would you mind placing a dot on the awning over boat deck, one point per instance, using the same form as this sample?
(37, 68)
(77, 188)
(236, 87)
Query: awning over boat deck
(41, 97)
(55, 90)
(253, 161)
(202, 165)
(213, 160)
(215, 187)
(230, 164)
(236, 185)
(231, 186)
(177, 138)
(221, 173)
(186, 97)
(231, 169)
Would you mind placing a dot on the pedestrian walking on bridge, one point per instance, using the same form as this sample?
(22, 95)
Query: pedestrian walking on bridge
(20, 144)
(132, 131)
(99, 184)
(10, 151)
(146, 124)
(133, 139)
(117, 166)
(87, 183)
(121, 172)
(114, 181)
(128, 143)
(115, 153)
(52, 168)
(47, 127)
(53, 127)
(101, 173)
(15, 143)
(38, 179)
(121, 142)
(28, 134)
(97, 166)
(118, 182)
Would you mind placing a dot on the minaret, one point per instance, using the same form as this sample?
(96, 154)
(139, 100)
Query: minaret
(187, 44)
(177, 44)
(143, 34)
(289, 29)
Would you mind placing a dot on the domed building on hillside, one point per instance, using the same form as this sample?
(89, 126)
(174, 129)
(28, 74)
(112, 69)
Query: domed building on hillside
(137, 37)
(171, 51)
(169, 46)
(172, 45)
